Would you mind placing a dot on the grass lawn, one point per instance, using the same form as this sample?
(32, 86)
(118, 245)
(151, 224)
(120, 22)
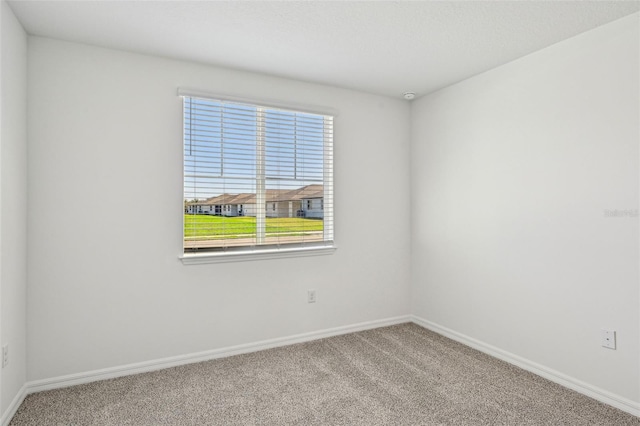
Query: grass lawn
(202, 226)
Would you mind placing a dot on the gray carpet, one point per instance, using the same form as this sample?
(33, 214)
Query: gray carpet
(399, 375)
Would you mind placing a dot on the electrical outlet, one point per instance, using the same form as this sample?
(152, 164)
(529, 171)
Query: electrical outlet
(608, 338)
(5, 355)
(311, 296)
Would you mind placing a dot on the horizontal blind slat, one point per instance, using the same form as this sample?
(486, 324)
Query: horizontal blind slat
(221, 172)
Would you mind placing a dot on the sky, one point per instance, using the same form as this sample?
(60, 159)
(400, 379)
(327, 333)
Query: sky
(221, 148)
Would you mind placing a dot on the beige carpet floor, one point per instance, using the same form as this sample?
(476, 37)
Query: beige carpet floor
(399, 375)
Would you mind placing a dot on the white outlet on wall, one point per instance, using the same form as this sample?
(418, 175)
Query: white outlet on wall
(608, 338)
(311, 296)
(5, 355)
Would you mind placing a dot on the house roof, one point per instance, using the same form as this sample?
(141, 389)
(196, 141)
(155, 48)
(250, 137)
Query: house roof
(309, 191)
(272, 195)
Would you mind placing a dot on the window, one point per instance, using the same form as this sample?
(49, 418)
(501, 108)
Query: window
(245, 156)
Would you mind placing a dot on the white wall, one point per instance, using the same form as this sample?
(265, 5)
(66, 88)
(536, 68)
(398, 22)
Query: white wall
(106, 287)
(13, 203)
(512, 172)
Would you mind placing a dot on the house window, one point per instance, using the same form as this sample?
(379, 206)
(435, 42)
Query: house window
(250, 152)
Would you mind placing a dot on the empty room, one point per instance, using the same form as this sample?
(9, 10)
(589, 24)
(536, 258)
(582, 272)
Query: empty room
(319, 212)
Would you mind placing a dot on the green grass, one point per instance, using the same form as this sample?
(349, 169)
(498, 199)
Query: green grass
(202, 227)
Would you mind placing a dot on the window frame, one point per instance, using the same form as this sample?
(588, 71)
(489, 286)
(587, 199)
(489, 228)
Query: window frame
(253, 253)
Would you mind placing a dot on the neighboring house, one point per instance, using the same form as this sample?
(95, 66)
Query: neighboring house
(307, 201)
(313, 208)
(224, 205)
(241, 205)
(312, 200)
(198, 207)
(281, 203)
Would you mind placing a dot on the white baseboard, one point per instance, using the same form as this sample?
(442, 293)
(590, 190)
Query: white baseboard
(579, 386)
(158, 364)
(596, 393)
(13, 407)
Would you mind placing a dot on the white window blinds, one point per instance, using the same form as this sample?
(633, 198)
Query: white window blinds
(255, 176)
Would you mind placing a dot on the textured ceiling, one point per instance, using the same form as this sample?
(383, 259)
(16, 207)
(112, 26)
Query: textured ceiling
(379, 47)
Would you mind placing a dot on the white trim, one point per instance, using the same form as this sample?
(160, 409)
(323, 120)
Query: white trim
(562, 379)
(290, 106)
(13, 407)
(241, 256)
(158, 364)
(327, 182)
(594, 392)
(261, 167)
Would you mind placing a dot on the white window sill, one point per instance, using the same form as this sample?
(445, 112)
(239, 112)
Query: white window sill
(243, 256)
